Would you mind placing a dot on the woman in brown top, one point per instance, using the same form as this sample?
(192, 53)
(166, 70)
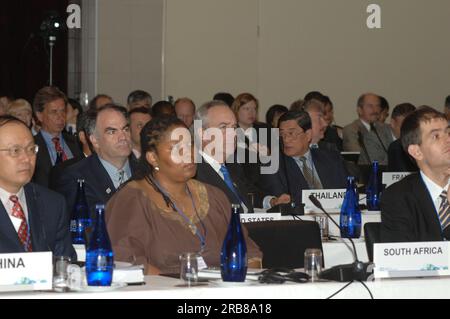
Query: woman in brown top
(163, 212)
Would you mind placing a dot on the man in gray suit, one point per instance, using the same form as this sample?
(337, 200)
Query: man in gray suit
(366, 135)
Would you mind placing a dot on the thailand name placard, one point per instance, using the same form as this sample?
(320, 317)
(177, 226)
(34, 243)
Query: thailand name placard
(390, 178)
(418, 259)
(331, 199)
(26, 271)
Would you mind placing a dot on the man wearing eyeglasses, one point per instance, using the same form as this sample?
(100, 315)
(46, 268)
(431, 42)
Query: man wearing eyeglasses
(32, 218)
(302, 167)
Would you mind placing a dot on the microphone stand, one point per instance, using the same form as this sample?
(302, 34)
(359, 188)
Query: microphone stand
(343, 273)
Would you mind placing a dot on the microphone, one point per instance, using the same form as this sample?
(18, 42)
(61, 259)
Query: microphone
(372, 127)
(356, 271)
(363, 145)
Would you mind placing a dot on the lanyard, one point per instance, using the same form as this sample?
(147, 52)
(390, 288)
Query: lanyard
(183, 215)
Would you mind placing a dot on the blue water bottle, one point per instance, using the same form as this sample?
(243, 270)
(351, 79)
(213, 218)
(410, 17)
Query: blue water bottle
(81, 220)
(373, 189)
(99, 254)
(350, 218)
(233, 257)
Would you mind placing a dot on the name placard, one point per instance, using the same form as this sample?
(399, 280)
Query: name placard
(331, 199)
(390, 178)
(264, 217)
(26, 271)
(416, 259)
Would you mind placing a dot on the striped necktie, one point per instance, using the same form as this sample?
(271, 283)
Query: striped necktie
(313, 182)
(444, 213)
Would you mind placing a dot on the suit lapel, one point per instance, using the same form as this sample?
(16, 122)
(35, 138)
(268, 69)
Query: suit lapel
(44, 155)
(8, 232)
(101, 177)
(34, 219)
(322, 168)
(427, 205)
(296, 181)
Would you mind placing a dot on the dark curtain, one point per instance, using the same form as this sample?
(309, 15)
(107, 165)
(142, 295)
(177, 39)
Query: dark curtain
(24, 54)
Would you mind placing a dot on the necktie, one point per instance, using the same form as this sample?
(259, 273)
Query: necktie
(59, 149)
(17, 212)
(229, 182)
(313, 183)
(444, 213)
(121, 177)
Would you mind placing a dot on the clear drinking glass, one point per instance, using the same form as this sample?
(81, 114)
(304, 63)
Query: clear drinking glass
(189, 268)
(60, 274)
(322, 220)
(313, 263)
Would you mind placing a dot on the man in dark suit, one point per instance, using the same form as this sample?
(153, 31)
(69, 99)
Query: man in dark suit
(398, 159)
(302, 167)
(55, 144)
(416, 208)
(109, 167)
(217, 165)
(32, 218)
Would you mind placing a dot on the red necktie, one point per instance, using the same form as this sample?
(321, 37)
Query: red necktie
(59, 149)
(17, 211)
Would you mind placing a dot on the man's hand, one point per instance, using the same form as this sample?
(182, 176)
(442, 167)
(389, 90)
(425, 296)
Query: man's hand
(282, 199)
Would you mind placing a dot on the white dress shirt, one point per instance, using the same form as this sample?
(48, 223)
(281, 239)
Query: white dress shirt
(216, 166)
(8, 205)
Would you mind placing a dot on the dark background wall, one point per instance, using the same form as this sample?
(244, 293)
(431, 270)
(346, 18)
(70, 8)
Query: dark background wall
(24, 55)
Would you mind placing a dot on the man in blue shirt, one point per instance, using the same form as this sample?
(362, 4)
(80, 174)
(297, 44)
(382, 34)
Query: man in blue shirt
(55, 144)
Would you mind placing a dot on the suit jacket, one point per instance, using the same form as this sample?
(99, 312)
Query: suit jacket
(375, 149)
(57, 170)
(99, 187)
(43, 160)
(48, 220)
(408, 213)
(289, 178)
(399, 160)
(331, 136)
(207, 174)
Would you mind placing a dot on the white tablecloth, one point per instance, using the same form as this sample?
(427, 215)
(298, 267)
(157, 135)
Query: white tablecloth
(166, 288)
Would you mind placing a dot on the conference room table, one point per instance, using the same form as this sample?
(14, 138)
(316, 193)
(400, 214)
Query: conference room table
(159, 287)
(336, 251)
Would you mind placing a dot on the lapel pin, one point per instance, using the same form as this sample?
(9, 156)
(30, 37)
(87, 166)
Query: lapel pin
(108, 191)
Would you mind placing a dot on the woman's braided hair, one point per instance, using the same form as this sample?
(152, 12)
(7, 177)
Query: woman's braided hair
(151, 135)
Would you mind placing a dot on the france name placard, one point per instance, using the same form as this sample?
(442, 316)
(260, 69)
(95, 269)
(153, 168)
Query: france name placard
(26, 271)
(411, 259)
(331, 199)
(390, 178)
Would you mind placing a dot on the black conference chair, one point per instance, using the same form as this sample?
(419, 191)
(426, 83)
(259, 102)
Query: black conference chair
(372, 236)
(284, 242)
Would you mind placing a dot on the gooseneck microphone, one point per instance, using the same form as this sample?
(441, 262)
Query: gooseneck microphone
(316, 203)
(343, 273)
(373, 128)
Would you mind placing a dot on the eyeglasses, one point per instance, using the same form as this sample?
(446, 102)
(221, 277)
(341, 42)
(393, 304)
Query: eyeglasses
(290, 134)
(16, 151)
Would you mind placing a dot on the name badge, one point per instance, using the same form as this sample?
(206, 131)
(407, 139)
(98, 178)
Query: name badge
(26, 271)
(265, 217)
(418, 259)
(331, 199)
(390, 178)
